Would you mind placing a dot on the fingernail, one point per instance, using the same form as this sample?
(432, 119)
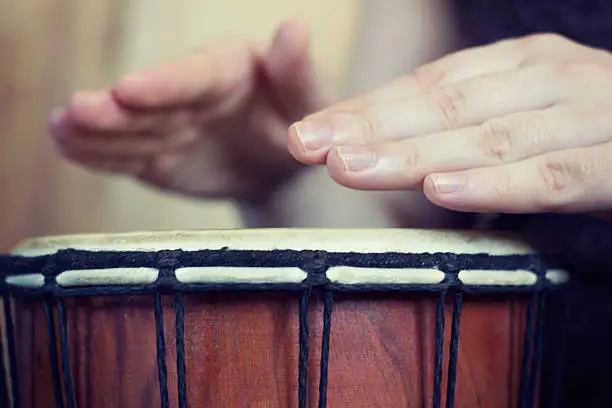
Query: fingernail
(356, 158)
(314, 135)
(448, 184)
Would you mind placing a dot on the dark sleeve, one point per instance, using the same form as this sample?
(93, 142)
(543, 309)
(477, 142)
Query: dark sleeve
(586, 21)
(583, 246)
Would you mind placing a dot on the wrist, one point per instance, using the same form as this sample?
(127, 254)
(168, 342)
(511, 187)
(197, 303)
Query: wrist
(265, 208)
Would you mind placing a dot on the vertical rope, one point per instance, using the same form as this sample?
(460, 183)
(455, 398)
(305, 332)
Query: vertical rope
(562, 345)
(537, 348)
(4, 393)
(327, 314)
(179, 307)
(65, 354)
(454, 347)
(437, 385)
(53, 357)
(527, 345)
(303, 357)
(161, 350)
(12, 355)
(4, 379)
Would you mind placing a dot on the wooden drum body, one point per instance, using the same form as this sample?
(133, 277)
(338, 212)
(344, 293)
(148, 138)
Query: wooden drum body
(278, 318)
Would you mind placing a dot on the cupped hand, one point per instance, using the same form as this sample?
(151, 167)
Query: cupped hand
(519, 126)
(210, 124)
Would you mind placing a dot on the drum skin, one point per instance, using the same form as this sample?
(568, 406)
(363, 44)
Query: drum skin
(242, 351)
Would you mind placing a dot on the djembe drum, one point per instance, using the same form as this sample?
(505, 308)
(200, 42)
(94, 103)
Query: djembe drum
(278, 318)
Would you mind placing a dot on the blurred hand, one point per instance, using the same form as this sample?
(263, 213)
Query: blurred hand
(211, 124)
(520, 126)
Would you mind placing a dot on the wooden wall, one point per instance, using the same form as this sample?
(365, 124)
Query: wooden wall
(49, 48)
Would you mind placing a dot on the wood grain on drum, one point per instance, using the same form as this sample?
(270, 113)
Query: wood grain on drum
(242, 351)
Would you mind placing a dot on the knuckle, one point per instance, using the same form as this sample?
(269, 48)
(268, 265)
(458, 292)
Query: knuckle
(562, 179)
(496, 140)
(502, 188)
(412, 160)
(369, 125)
(557, 176)
(428, 76)
(514, 137)
(447, 104)
(412, 165)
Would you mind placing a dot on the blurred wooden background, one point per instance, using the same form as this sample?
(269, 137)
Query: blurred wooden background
(49, 48)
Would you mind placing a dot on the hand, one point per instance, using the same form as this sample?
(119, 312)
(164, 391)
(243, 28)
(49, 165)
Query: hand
(520, 126)
(211, 124)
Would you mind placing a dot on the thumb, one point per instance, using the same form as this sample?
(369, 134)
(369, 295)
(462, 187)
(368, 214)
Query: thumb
(289, 69)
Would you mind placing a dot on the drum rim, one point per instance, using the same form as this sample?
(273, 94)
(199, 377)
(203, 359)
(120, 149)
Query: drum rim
(400, 240)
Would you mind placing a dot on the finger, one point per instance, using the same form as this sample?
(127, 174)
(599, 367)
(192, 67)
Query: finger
(308, 140)
(403, 164)
(492, 58)
(94, 148)
(574, 180)
(111, 165)
(289, 68)
(466, 103)
(209, 74)
(86, 144)
(98, 110)
(497, 57)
